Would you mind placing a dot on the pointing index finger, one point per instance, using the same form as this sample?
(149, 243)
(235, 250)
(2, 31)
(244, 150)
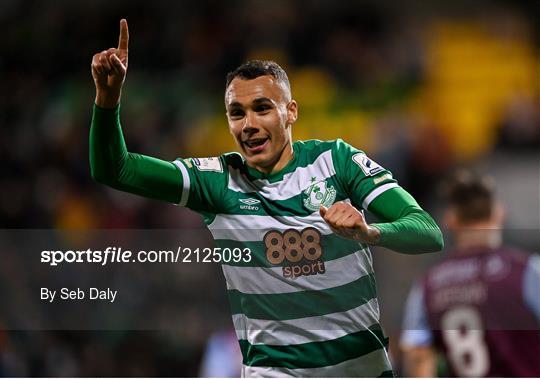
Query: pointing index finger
(123, 40)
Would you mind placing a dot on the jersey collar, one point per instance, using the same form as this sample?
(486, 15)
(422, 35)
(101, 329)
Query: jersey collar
(278, 175)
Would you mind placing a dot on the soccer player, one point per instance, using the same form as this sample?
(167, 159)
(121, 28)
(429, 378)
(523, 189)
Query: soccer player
(304, 303)
(479, 307)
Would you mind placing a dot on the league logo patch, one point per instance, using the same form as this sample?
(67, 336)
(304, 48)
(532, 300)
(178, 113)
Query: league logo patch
(369, 167)
(208, 164)
(319, 194)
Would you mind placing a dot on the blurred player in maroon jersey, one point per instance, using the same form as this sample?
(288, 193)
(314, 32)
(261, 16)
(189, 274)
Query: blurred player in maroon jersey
(479, 307)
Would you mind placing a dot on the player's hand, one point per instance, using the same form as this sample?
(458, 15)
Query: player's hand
(348, 222)
(109, 69)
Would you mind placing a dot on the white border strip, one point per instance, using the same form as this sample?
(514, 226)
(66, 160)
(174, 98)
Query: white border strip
(185, 183)
(376, 192)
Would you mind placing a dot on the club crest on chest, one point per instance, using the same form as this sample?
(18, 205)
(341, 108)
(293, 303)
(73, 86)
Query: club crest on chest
(318, 194)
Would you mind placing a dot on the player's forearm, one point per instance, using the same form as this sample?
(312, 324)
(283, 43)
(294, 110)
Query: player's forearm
(108, 100)
(113, 165)
(108, 152)
(407, 227)
(414, 233)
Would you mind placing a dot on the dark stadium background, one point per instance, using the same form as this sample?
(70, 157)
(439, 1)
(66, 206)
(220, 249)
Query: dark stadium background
(422, 88)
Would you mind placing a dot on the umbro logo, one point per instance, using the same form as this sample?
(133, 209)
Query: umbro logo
(249, 201)
(249, 204)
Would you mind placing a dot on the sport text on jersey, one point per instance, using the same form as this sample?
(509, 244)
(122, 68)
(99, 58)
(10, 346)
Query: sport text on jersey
(299, 252)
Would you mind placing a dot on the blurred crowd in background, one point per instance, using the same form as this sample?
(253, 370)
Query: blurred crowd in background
(422, 88)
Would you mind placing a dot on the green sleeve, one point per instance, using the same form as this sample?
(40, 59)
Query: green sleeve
(205, 182)
(113, 165)
(407, 227)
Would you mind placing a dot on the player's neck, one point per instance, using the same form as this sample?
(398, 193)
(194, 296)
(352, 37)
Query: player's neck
(286, 155)
(471, 237)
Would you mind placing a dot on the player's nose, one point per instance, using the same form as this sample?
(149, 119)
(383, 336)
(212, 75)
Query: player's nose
(250, 124)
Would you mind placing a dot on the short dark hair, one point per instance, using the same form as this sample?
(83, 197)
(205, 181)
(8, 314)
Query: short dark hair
(255, 68)
(471, 195)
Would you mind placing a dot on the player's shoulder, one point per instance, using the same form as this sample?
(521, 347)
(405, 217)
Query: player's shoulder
(312, 145)
(457, 260)
(519, 256)
(509, 254)
(233, 160)
(334, 144)
(338, 148)
(214, 166)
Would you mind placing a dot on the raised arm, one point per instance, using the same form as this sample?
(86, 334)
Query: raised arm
(110, 161)
(109, 69)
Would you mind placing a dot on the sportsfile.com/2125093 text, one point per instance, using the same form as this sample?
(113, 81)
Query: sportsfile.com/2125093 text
(119, 255)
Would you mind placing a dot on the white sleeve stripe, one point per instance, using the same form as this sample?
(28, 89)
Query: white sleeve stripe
(415, 329)
(531, 284)
(186, 183)
(376, 192)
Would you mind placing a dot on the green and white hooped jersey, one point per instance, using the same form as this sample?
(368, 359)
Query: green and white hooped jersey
(305, 304)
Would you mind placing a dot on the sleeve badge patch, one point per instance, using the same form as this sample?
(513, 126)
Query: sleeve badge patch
(188, 163)
(368, 166)
(208, 164)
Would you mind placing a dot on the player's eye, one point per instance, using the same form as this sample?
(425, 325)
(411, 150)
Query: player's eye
(262, 108)
(236, 113)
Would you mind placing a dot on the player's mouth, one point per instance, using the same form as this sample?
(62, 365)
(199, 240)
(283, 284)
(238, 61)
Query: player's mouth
(256, 145)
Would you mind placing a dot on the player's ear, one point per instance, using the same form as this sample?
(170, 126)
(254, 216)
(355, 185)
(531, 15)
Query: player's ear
(450, 219)
(499, 214)
(230, 126)
(292, 112)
